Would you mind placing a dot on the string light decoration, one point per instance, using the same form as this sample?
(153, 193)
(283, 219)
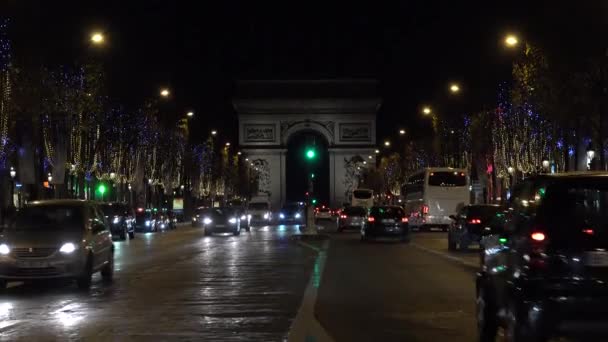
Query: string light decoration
(5, 90)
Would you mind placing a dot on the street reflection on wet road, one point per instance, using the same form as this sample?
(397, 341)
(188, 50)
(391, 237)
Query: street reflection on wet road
(173, 285)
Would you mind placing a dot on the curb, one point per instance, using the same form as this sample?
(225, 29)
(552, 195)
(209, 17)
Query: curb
(467, 264)
(305, 326)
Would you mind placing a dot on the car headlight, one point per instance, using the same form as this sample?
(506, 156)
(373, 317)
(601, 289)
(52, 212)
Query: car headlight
(281, 215)
(148, 223)
(232, 220)
(207, 220)
(162, 226)
(116, 220)
(194, 219)
(243, 217)
(67, 248)
(4, 250)
(298, 215)
(249, 217)
(266, 216)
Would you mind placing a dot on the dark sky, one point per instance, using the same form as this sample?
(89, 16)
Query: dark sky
(199, 48)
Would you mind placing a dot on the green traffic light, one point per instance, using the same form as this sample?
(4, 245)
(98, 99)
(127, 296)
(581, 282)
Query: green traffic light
(314, 201)
(312, 175)
(310, 153)
(101, 189)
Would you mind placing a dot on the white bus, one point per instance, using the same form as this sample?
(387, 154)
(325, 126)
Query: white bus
(363, 198)
(435, 193)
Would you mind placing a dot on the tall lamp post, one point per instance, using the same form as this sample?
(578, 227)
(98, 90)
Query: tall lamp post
(13, 174)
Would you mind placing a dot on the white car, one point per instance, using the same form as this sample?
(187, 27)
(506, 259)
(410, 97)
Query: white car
(324, 214)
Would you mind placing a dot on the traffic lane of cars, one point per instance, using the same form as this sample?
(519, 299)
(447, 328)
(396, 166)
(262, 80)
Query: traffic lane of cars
(388, 291)
(174, 285)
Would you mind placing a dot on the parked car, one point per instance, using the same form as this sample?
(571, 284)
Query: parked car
(386, 221)
(292, 213)
(323, 213)
(546, 274)
(57, 239)
(352, 218)
(120, 218)
(471, 224)
(145, 220)
(221, 220)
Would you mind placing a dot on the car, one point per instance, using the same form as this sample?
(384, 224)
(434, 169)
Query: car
(386, 221)
(471, 224)
(145, 220)
(546, 274)
(352, 218)
(292, 213)
(241, 209)
(197, 218)
(323, 213)
(221, 220)
(259, 212)
(57, 239)
(120, 218)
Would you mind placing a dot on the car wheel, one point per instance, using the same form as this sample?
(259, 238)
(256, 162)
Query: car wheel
(84, 281)
(131, 235)
(107, 272)
(487, 325)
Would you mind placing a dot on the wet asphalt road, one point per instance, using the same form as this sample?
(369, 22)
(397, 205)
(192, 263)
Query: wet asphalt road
(177, 285)
(390, 291)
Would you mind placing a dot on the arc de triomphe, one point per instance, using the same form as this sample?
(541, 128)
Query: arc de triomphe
(343, 112)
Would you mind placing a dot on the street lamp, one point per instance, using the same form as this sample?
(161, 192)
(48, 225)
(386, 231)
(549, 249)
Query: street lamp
(454, 88)
(13, 173)
(239, 153)
(401, 131)
(377, 151)
(510, 170)
(511, 40)
(214, 132)
(49, 177)
(370, 157)
(387, 143)
(165, 92)
(190, 114)
(150, 181)
(426, 110)
(227, 144)
(546, 164)
(112, 175)
(97, 38)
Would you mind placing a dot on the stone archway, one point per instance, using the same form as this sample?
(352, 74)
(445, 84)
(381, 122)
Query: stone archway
(342, 111)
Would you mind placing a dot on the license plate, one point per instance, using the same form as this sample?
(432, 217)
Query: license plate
(220, 225)
(32, 264)
(596, 259)
(388, 221)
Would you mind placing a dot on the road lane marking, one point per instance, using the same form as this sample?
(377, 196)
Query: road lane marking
(465, 263)
(305, 326)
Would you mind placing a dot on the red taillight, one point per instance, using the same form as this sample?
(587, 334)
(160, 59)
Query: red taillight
(425, 209)
(538, 236)
(343, 216)
(588, 231)
(371, 219)
(404, 219)
(475, 221)
(139, 210)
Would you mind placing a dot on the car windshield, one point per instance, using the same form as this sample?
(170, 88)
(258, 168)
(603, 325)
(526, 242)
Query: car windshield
(387, 212)
(447, 178)
(355, 211)
(49, 218)
(258, 206)
(222, 211)
(485, 212)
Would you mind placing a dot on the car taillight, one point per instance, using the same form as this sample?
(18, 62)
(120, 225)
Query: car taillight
(371, 219)
(343, 216)
(588, 231)
(537, 257)
(404, 219)
(475, 221)
(425, 209)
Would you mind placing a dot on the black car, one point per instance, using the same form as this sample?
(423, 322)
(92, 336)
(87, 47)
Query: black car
(386, 221)
(471, 224)
(145, 220)
(221, 220)
(241, 210)
(291, 214)
(352, 218)
(546, 275)
(120, 218)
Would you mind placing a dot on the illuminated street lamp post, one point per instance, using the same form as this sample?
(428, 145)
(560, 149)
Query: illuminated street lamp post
(165, 92)
(13, 174)
(97, 38)
(454, 88)
(511, 41)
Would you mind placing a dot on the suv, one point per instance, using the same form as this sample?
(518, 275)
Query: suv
(57, 239)
(121, 219)
(546, 274)
(471, 224)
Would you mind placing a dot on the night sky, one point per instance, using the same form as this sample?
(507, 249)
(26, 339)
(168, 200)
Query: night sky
(413, 47)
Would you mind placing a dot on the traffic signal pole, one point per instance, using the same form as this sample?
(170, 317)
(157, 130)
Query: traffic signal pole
(311, 228)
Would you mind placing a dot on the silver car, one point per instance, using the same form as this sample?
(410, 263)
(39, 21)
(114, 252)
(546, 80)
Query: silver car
(352, 218)
(57, 239)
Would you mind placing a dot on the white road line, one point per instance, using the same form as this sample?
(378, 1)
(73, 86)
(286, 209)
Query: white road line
(305, 327)
(447, 256)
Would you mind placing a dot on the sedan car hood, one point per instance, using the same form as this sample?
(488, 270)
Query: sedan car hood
(40, 238)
